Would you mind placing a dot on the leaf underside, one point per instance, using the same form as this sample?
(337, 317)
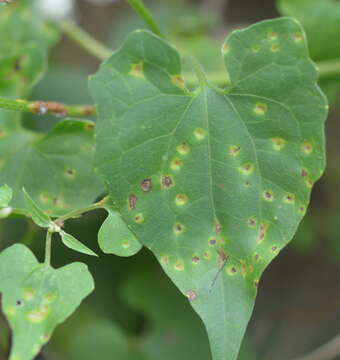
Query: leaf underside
(214, 182)
(36, 297)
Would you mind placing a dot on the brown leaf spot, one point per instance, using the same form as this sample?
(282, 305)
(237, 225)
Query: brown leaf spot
(191, 295)
(146, 185)
(132, 201)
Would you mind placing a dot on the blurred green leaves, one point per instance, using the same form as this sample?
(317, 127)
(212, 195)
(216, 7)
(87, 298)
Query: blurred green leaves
(36, 297)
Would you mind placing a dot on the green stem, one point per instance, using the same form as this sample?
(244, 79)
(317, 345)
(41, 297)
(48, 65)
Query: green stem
(85, 40)
(329, 68)
(146, 15)
(42, 107)
(75, 213)
(48, 247)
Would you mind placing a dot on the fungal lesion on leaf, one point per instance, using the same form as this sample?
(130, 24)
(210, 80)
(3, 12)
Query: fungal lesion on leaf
(176, 164)
(137, 70)
(263, 228)
(278, 143)
(146, 185)
(234, 150)
(195, 259)
(307, 148)
(199, 133)
(178, 228)
(298, 37)
(260, 108)
(167, 181)
(70, 173)
(179, 265)
(181, 199)
(139, 218)
(268, 195)
(178, 80)
(289, 198)
(132, 201)
(183, 148)
(247, 168)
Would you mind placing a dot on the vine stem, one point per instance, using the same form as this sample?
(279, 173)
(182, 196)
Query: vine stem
(328, 351)
(48, 247)
(75, 213)
(85, 40)
(42, 107)
(146, 15)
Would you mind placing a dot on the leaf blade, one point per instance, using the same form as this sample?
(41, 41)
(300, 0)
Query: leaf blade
(230, 171)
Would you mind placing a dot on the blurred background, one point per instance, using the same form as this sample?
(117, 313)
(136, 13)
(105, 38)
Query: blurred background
(135, 311)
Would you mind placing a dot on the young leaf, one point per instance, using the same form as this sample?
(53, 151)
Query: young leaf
(5, 195)
(36, 297)
(115, 237)
(38, 216)
(74, 244)
(214, 182)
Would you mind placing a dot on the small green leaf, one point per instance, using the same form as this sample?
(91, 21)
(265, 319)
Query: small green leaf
(6, 194)
(115, 237)
(216, 181)
(74, 244)
(38, 216)
(36, 298)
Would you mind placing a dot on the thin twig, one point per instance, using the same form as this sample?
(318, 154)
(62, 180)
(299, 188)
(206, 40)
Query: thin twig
(49, 107)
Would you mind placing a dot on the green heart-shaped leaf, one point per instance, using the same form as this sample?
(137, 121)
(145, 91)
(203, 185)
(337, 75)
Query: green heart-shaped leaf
(214, 182)
(36, 297)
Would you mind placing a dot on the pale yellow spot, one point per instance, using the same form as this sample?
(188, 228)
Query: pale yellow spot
(183, 149)
(234, 150)
(10, 310)
(298, 37)
(125, 244)
(137, 70)
(309, 183)
(37, 316)
(181, 199)
(28, 294)
(274, 48)
(278, 143)
(176, 164)
(289, 198)
(70, 173)
(225, 49)
(307, 148)
(139, 218)
(179, 265)
(207, 255)
(165, 259)
(260, 108)
(272, 36)
(44, 197)
(200, 134)
(178, 81)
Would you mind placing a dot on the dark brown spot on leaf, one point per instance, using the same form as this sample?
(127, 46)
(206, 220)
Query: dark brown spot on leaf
(167, 181)
(195, 259)
(146, 185)
(132, 201)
